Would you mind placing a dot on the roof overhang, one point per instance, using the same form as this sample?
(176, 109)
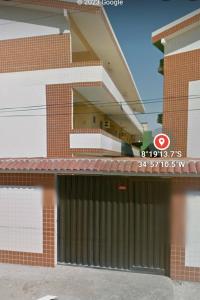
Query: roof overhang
(99, 166)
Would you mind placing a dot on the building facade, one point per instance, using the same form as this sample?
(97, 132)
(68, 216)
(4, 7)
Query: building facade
(180, 43)
(68, 194)
(66, 91)
(70, 94)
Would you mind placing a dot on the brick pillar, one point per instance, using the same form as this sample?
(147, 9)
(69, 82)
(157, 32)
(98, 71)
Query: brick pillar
(59, 119)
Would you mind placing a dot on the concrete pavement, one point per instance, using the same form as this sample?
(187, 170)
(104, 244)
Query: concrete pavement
(74, 283)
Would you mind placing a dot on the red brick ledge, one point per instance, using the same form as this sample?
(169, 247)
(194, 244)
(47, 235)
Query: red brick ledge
(61, 4)
(115, 166)
(189, 21)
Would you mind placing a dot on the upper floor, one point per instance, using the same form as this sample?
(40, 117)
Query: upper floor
(182, 35)
(66, 88)
(180, 43)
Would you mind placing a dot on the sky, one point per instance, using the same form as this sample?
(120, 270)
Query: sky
(133, 24)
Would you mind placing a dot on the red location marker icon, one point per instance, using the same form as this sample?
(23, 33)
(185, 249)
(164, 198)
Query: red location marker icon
(161, 141)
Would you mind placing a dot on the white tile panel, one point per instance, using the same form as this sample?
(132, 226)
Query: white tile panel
(193, 142)
(192, 243)
(21, 219)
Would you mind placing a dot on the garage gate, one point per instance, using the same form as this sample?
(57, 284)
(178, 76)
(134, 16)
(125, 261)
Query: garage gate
(114, 222)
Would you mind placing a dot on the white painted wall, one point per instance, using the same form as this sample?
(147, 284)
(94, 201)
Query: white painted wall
(52, 76)
(94, 141)
(21, 219)
(193, 142)
(22, 134)
(18, 22)
(182, 42)
(192, 246)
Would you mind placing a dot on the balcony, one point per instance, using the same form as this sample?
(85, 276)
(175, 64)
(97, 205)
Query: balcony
(99, 142)
(93, 82)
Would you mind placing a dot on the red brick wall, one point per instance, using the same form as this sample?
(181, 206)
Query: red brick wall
(178, 271)
(59, 119)
(179, 69)
(35, 53)
(47, 258)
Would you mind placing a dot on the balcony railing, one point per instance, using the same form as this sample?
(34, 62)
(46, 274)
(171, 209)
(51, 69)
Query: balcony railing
(93, 141)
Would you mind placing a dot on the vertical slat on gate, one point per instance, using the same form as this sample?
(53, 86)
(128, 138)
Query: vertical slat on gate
(137, 228)
(90, 221)
(114, 228)
(144, 227)
(73, 201)
(126, 226)
(102, 225)
(156, 228)
(142, 224)
(96, 222)
(61, 223)
(150, 225)
(109, 188)
(164, 194)
(160, 223)
(164, 227)
(62, 226)
(68, 219)
(120, 224)
(131, 224)
(85, 223)
(79, 224)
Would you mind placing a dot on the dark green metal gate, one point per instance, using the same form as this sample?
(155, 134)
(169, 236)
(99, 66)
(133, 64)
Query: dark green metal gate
(113, 222)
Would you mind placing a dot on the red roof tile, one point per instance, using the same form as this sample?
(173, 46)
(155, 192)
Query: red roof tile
(102, 165)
